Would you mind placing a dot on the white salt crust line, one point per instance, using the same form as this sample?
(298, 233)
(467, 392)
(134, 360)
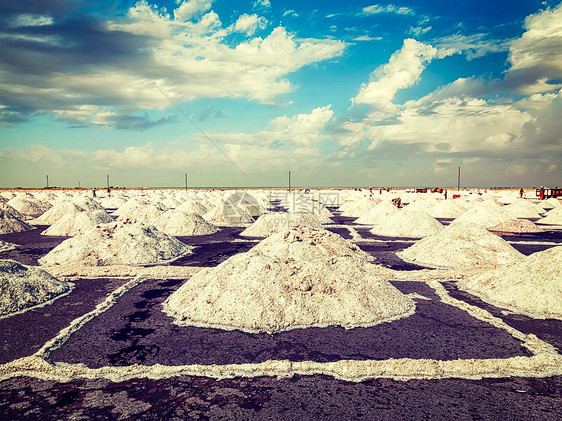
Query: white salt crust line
(546, 361)
(121, 271)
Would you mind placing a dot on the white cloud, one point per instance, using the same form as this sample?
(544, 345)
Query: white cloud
(389, 8)
(418, 30)
(250, 23)
(262, 4)
(31, 20)
(188, 9)
(474, 46)
(402, 70)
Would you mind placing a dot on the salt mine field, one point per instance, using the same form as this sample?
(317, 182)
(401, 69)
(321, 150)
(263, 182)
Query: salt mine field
(269, 304)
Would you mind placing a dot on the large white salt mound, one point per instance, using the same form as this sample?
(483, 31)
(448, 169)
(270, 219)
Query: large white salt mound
(87, 203)
(461, 246)
(73, 224)
(226, 215)
(116, 243)
(130, 206)
(408, 224)
(359, 207)
(177, 222)
(4, 246)
(515, 226)
(421, 205)
(550, 203)
(11, 211)
(30, 207)
(112, 202)
(24, 286)
(485, 216)
(531, 285)
(271, 223)
(553, 217)
(195, 206)
(296, 278)
(451, 208)
(378, 214)
(523, 209)
(10, 224)
(146, 214)
(58, 211)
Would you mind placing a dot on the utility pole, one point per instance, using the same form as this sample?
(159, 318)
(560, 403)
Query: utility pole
(459, 180)
(47, 181)
(185, 181)
(289, 181)
(107, 181)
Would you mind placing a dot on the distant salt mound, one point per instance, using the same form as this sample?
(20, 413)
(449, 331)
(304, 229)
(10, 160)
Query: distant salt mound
(58, 211)
(297, 278)
(271, 223)
(487, 216)
(29, 206)
(145, 214)
(408, 224)
(531, 285)
(73, 224)
(447, 209)
(11, 211)
(130, 205)
(517, 226)
(24, 286)
(461, 246)
(10, 224)
(87, 203)
(550, 203)
(421, 205)
(178, 223)
(553, 217)
(117, 243)
(195, 206)
(226, 215)
(359, 207)
(378, 214)
(4, 246)
(523, 209)
(112, 202)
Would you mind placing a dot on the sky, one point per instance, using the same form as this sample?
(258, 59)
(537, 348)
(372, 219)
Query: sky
(239, 93)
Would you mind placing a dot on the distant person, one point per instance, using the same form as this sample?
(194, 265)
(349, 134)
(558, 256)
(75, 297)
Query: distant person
(521, 193)
(108, 191)
(445, 193)
(94, 192)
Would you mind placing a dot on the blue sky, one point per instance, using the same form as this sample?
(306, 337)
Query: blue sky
(237, 93)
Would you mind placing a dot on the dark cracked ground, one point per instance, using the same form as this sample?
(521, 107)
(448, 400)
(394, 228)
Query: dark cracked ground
(136, 331)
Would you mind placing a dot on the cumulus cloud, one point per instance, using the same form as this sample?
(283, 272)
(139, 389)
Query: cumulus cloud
(250, 23)
(474, 45)
(97, 66)
(376, 9)
(402, 71)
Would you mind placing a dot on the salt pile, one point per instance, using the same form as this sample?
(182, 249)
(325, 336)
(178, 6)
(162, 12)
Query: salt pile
(523, 209)
(358, 207)
(145, 214)
(24, 286)
(487, 216)
(553, 217)
(4, 246)
(531, 285)
(116, 243)
(176, 222)
(550, 203)
(112, 202)
(10, 224)
(421, 205)
(408, 224)
(195, 206)
(378, 214)
(521, 226)
(87, 203)
(227, 215)
(461, 246)
(11, 211)
(271, 223)
(73, 224)
(447, 209)
(294, 279)
(29, 206)
(58, 211)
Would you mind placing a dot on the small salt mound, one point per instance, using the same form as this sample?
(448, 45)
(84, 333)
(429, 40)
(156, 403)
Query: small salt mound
(58, 211)
(271, 223)
(359, 207)
(112, 202)
(485, 216)
(176, 222)
(517, 226)
(10, 224)
(143, 215)
(378, 214)
(4, 246)
(531, 285)
(294, 279)
(226, 215)
(31, 208)
(550, 203)
(23, 287)
(195, 206)
(447, 209)
(11, 211)
(73, 224)
(116, 243)
(553, 217)
(523, 209)
(87, 203)
(130, 206)
(408, 224)
(421, 205)
(461, 246)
